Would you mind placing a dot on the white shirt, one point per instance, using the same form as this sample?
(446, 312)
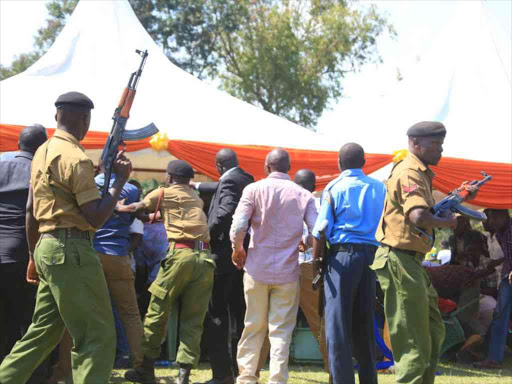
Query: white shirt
(444, 255)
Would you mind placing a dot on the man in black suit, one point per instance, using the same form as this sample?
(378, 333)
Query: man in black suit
(227, 296)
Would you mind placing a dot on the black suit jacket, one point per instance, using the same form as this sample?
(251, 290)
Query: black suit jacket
(228, 192)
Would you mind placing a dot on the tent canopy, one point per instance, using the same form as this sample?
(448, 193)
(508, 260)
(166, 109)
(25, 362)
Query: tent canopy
(95, 54)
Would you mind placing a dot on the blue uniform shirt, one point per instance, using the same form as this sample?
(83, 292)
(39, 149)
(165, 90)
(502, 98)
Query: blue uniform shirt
(114, 237)
(358, 204)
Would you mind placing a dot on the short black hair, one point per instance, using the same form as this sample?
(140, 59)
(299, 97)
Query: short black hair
(32, 137)
(351, 156)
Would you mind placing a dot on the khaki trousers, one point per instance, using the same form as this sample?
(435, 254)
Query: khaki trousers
(308, 303)
(121, 284)
(273, 307)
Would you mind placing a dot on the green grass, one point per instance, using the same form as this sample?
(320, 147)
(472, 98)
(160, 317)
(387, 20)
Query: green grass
(313, 374)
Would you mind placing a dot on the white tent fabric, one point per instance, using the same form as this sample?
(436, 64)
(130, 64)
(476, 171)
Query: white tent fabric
(464, 80)
(95, 54)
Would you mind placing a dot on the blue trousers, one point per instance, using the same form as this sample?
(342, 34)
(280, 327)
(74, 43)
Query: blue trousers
(349, 309)
(499, 325)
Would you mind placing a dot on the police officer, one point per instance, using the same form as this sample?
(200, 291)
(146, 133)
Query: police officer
(186, 274)
(352, 205)
(410, 301)
(63, 211)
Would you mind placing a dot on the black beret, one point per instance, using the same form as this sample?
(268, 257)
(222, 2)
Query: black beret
(74, 98)
(180, 168)
(427, 128)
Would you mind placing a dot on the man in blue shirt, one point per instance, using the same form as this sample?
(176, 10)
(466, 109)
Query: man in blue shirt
(112, 242)
(352, 205)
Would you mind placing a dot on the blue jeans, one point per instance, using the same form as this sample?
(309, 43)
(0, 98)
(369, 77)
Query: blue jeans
(349, 310)
(499, 325)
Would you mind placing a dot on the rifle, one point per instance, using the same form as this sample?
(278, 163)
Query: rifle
(118, 134)
(319, 258)
(453, 202)
(319, 253)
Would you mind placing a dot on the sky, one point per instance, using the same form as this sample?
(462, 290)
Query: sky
(416, 23)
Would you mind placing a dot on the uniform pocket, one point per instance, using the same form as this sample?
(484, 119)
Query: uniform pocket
(381, 258)
(51, 252)
(158, 291)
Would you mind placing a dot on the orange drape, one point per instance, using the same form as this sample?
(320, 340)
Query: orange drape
(450, 172)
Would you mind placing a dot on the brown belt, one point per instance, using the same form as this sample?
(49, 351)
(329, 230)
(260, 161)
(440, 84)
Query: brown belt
(69, 233)
(201, 245)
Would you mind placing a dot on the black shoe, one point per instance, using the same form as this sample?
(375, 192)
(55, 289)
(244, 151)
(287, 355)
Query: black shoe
(144, 374)
(184, 374)
(225, 380)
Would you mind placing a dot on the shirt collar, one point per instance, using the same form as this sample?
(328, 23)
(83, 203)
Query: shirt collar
(415, 161)
(352, 172)
(227, 172)
(279, 175)
(68, 137)
(24, 154)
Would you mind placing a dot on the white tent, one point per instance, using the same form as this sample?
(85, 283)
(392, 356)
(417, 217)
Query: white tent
(95, 54)
(463, 80)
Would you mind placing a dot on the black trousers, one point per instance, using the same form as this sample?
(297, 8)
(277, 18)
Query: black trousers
(224, 323)
(17, 303)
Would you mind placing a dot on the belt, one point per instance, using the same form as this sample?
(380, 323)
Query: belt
(201, 245)
(347, 247)
(69, 233)
(407, 251)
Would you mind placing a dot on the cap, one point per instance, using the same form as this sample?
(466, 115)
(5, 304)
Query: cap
(180, 168)
(427, 128)
(74, 98)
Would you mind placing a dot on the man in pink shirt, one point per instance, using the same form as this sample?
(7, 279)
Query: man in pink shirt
(276, 209)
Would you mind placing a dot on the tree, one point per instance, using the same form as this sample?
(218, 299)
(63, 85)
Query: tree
(287, 56)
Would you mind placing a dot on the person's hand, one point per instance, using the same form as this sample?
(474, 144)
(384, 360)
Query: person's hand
(450, 218)
(472, 189)
(302, 247)
(32, 275)
(238, 257)
(192, 184)
(122, 166)
(122, 208)
(495, 262)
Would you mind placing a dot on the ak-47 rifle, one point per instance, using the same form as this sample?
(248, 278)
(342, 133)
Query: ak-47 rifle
(453, 202)
(319, 258)
(118, 134)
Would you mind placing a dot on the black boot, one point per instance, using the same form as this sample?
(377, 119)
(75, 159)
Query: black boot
(144, 374)
(184, 374)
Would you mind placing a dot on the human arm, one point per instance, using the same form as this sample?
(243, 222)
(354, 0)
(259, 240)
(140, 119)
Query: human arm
(205, 187)
(310, 219)
(415, 197)
(423, 218)
(240, 225)
(98, 211)
(32, 229)
(228, 197)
